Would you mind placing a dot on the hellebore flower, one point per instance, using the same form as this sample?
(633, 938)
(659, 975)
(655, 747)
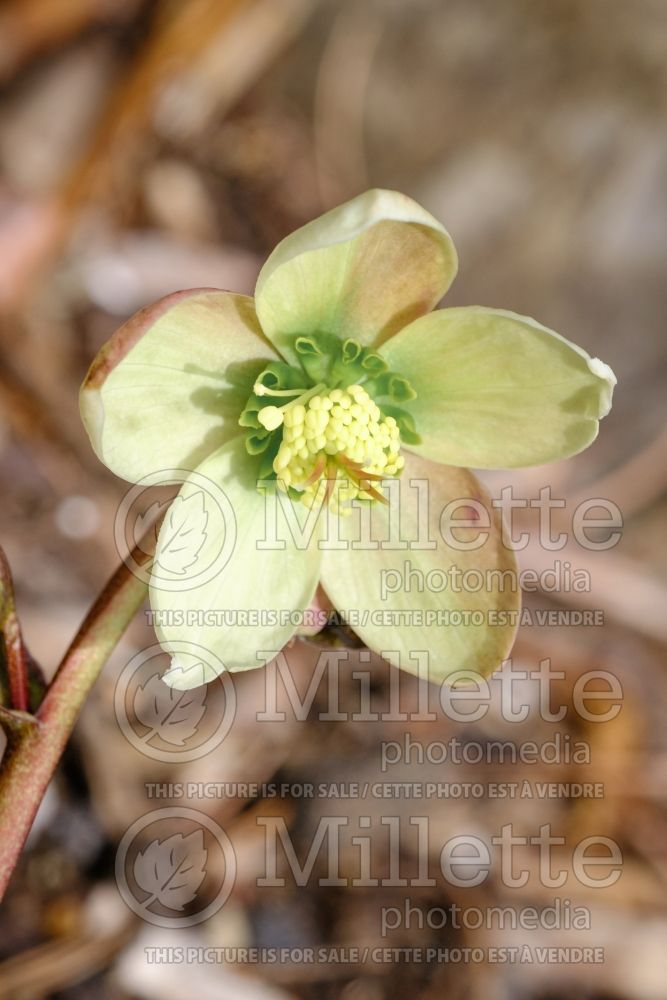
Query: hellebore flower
(338, 396)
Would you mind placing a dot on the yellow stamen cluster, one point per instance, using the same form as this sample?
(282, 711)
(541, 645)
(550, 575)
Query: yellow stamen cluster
(335, 446)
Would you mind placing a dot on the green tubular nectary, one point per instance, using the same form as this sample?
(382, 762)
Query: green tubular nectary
(318, 429)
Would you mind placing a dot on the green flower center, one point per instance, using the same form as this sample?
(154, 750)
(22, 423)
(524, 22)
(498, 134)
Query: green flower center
(330, 430)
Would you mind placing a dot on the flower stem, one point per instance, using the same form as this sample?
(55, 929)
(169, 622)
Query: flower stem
(17, 657)
(33, 751)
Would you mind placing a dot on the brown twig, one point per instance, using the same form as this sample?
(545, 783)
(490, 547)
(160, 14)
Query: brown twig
(57, 965)
(340, 102)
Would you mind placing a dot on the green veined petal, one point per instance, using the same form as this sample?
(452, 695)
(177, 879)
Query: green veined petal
(444, 581)
(214, 583)
(169, 386)
(498, 390)
(361, 271)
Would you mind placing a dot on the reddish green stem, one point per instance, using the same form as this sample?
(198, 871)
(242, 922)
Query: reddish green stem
(17, 657)
(33, 751)
(17, 664)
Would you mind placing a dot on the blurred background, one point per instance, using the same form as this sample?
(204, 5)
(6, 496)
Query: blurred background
(150, 145)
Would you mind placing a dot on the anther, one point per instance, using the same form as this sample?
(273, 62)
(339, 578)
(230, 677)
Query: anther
(335, 447)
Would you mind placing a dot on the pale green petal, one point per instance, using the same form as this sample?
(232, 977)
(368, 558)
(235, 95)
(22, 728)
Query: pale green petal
(497, 390)
(363, 270)
(169, 386)
(458, 607)
(220, 579)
